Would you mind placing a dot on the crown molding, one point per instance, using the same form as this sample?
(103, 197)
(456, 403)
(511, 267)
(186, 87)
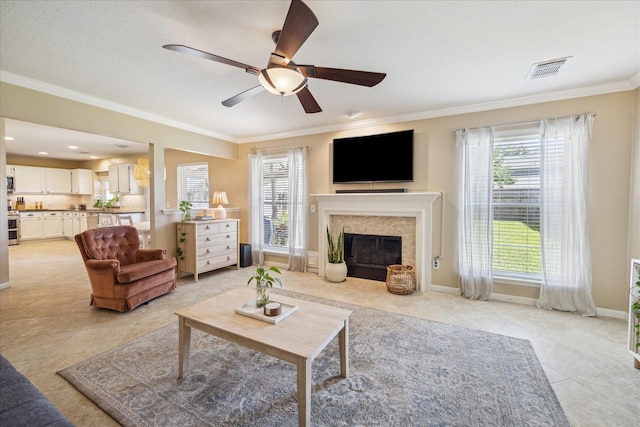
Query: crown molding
(605, 88)
(619, 86)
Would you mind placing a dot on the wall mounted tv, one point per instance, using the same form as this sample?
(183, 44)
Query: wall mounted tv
(386, 157)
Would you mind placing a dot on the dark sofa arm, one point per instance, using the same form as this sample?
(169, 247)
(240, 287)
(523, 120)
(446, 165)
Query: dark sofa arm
(21, 404)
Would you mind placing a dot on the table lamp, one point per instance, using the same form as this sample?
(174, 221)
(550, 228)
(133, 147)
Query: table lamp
(219, 198)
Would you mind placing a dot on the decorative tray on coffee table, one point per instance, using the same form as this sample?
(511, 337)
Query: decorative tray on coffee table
(251, 310)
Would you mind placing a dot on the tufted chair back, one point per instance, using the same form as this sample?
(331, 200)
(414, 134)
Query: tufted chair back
(118, 242)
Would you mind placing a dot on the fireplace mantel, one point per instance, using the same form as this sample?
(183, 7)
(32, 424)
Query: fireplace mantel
(417, 205)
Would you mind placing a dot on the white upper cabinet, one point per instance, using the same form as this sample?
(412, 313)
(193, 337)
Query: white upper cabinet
(57, 181)
(37, 180)
(29, 179)
(121, 180)
(81, 181)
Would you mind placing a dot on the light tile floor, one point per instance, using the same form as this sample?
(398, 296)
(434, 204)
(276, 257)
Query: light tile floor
(46, 324)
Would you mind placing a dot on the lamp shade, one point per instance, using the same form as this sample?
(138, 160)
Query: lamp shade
(282, 81)
(220, 198)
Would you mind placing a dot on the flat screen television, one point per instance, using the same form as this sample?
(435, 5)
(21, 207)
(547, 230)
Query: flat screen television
(386, 157)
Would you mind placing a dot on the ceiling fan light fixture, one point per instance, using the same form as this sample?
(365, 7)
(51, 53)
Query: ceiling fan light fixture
(282, 81)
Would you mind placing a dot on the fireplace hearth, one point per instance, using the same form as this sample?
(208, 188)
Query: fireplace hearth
(368, 255)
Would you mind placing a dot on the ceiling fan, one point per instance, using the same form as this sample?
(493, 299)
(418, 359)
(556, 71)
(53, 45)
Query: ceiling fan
(282, 76)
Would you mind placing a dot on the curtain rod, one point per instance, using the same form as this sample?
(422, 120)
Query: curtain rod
(530, 122)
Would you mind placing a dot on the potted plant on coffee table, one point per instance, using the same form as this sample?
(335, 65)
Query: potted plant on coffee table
(336, 268)
(264, 281)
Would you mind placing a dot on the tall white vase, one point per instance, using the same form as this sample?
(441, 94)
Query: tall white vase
(336, 272)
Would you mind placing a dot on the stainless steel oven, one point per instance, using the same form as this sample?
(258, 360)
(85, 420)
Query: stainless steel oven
(14, 227)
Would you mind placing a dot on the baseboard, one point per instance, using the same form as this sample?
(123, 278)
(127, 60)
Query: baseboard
(604, 312)
(5, 285)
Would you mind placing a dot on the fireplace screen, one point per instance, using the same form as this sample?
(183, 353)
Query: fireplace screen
(368, 256)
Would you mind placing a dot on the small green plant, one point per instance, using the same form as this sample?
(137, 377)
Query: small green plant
(335, 251)
(264, 281)
(185, 208)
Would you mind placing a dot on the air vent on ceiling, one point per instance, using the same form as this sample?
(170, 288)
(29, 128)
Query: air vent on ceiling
(122, 146)
(546, 68)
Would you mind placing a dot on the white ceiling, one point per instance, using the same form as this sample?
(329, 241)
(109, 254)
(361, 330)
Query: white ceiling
(441, 57)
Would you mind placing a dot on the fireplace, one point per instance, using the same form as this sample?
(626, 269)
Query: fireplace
(396, 207)
(368, 255)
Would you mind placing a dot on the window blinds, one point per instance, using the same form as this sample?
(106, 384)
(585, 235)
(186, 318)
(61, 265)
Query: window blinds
(516, 204)
(193, 184)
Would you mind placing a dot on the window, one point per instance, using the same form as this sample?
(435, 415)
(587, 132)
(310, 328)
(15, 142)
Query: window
(516, 204)
(193, 184)
(275, 179)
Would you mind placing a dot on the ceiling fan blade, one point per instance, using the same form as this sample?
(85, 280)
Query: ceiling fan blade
(355, 77)
(308, 101)
(210, 56)
(298, 26)
(242, 96)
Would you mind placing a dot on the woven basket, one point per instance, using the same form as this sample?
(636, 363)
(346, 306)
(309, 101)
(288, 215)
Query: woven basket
(401, 279)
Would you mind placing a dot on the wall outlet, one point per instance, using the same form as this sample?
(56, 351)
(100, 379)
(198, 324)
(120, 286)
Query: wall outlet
(436, 263)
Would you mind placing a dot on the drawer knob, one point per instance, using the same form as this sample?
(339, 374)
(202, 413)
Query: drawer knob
(207, 239)
(207, 227)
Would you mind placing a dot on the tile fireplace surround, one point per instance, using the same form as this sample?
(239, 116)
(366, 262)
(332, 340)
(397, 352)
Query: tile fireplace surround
(398, 205)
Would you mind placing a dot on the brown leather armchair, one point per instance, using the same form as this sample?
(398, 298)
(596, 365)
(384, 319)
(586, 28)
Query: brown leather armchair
(122, 275)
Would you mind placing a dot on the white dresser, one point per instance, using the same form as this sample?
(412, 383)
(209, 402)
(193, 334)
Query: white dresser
(207, 245)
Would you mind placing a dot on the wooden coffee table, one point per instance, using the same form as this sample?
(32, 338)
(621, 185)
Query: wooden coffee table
(297, 339)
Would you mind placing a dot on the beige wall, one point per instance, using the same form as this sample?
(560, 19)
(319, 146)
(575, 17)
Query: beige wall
(435, 166)
(435, 170)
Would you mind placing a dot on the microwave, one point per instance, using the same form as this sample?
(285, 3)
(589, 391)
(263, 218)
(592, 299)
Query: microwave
(10, 184)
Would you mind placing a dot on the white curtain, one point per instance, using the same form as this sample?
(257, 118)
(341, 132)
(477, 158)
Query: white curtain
(256, 202)
(475, 219)
(297, 202)
(564, 233)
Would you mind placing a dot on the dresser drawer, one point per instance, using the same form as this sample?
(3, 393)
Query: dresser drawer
(231, 226)
(216, 262)
(216, 250)
(216, 239)
(207, 229)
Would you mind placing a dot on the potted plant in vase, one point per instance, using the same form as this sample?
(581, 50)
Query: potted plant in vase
(185, 208)
(264, 281)
(336, 268)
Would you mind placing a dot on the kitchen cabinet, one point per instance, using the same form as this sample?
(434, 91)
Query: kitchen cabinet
(41, 225)
(31, 227)
(57, 181)
(29, 179)
(81, 181)
(52, 225)
(67, 225)
(121, 180)
(36, 180)
(79, 223)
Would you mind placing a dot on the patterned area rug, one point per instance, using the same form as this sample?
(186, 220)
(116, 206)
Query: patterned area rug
(404, 371)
